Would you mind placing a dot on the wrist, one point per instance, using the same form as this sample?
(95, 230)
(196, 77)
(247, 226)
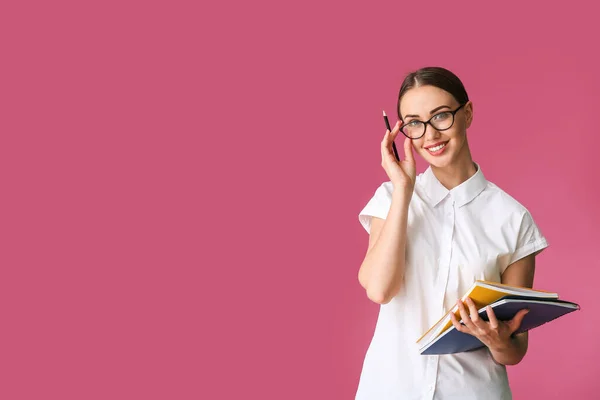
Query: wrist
(510, 354)
(402, 195)
(403, 190)
(506, 346)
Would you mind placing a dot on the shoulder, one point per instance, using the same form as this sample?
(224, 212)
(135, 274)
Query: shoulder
(502, 202)
(517, 223)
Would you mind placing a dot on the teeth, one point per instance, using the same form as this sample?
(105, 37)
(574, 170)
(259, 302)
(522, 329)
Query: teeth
(437, 148)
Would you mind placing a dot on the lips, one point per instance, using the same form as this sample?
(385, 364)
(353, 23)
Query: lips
(435, 144)
(439, 151)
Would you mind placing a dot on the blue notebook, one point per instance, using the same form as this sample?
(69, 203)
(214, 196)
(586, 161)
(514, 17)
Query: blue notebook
(541, 312)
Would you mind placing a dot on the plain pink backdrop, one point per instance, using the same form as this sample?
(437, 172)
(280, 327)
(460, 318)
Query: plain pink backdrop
(181, 183)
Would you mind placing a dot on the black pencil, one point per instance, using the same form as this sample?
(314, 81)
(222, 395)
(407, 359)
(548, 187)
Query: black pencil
(387, 124)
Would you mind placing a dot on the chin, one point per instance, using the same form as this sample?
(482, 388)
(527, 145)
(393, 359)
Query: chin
(440, 161)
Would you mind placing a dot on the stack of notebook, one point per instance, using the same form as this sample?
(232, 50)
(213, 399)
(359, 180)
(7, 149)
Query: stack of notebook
(506, 301)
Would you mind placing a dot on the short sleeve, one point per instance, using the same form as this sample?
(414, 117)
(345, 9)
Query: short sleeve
(529, 239)
(378, 206)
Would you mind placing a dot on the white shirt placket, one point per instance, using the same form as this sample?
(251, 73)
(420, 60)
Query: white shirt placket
(441, 284)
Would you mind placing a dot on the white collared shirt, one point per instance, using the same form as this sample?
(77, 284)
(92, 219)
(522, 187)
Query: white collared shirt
(454, 237)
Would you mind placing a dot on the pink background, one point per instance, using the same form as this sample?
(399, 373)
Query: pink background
(181, 184)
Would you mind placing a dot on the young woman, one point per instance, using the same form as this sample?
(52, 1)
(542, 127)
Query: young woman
(430, 237)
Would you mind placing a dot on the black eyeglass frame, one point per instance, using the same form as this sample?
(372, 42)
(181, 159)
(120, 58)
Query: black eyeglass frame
(429, 122)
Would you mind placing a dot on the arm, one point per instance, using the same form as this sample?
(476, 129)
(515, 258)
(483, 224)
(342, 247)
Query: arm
(506, 348)
(519, 273)
(382, 269)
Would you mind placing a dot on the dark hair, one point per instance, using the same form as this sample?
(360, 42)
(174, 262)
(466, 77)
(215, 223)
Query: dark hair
(434, 76)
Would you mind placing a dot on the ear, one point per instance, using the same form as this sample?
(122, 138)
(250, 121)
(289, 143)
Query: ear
(469, 113)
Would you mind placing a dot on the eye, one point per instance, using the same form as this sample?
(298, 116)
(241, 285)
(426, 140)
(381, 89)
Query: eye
(413, 123)
(441, 116)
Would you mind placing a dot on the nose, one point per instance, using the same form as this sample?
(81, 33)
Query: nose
(431, 132)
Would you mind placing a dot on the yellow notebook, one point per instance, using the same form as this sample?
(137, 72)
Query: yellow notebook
(482, 293)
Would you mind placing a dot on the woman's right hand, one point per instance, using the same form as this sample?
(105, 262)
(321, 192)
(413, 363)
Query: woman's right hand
(403, 173)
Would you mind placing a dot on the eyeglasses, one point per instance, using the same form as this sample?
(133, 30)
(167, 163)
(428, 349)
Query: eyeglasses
(440, 121)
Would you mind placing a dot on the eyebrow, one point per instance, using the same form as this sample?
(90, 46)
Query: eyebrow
(430, 112)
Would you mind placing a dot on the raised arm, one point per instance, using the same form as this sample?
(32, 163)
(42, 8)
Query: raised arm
(382, 270)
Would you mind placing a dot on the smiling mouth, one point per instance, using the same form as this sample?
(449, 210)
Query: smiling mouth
(437, 148)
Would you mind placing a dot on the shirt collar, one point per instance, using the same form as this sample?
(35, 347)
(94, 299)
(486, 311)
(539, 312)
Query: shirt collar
(461, 194)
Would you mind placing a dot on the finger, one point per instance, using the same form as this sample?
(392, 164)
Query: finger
(465, 316)
(396, 129)
(459, 327)
(492, 317)
(384, 141)
(408, 151)
(474, 314)
(387, 132)
(386, 147)
(392, 137)
(515, 323)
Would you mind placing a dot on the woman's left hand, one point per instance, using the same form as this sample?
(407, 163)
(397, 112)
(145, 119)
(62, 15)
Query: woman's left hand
(493, 333)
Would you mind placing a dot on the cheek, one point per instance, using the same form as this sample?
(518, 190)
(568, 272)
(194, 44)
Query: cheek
(418, 146)
(456, 133)
(460, 126)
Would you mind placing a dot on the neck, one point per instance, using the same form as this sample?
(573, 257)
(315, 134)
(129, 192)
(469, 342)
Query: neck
(457, 172)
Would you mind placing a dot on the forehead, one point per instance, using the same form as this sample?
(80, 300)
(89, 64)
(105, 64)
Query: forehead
(421, 100)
